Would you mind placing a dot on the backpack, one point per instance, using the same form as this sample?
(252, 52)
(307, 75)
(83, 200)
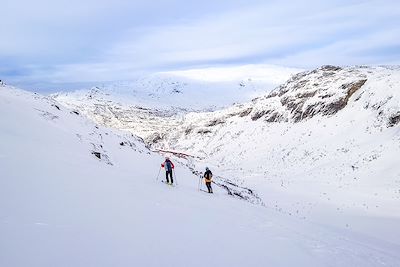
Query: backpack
(208, 175)
(168, 165)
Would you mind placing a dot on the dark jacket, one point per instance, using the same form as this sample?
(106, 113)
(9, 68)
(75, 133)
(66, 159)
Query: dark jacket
(208, 176)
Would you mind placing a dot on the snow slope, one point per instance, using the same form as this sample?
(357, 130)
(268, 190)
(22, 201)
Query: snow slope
(324, 146)
(60, 205)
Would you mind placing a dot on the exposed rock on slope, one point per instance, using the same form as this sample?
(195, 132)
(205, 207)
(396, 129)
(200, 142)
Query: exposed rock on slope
(322, 91)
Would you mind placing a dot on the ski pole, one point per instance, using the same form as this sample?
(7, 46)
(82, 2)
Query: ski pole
(176, 180)
(158, 173)
(199, 186)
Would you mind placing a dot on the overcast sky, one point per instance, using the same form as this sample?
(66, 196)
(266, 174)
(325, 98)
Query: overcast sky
(71, 41)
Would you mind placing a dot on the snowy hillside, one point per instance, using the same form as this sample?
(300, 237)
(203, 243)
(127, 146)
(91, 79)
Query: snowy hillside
(74, 193)
(326, 143)
(323, 146)
(143, 106)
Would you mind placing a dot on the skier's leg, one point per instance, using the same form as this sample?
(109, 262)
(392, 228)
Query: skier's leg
(208, 187)
(172, 179)
(166, 176)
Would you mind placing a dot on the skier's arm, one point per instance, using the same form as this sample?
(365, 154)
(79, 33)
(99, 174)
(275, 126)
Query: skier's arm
(172, 165)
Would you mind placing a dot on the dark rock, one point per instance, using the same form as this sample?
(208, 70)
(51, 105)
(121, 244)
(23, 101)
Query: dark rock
(298, 76)
(322, 108)
(274, 117)
(245, 112)
(283, 90)
(380, 104)
(284, 100)
(57, 107)
(394, 119)
(325, 96)
(306, 95)
(330, 68)
(350, 88)
(97, 154)
(258, 114)
(353, 87)
(215, 122)
(310, 111)
(274, 93)
(203, 131)
(188, 130)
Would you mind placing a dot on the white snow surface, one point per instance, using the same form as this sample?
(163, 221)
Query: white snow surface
(330, 184)
(195, 89)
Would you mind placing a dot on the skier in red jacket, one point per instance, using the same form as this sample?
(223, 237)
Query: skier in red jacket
(169, 166)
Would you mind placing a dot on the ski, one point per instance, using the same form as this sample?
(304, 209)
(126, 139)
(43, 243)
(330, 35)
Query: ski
(205, 191)
(173, 185)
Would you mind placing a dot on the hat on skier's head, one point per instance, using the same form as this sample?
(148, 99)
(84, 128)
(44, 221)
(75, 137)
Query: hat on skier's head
(207, 169)
(166, 158)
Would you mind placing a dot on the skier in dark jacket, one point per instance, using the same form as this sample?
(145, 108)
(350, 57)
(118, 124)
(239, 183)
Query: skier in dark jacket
(169, 166)
(208, 179)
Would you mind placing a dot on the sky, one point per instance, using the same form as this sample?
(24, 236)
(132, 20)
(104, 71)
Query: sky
(49, 43)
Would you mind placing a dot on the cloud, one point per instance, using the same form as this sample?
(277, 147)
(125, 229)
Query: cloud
(269, 33)
(71, 41)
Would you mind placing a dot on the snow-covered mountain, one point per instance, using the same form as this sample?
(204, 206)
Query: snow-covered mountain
(188, 90)
(142, 106)
(329, 138)
(320, 152)
(325, 142)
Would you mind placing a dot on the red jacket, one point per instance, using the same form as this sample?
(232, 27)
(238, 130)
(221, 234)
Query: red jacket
(164, 164)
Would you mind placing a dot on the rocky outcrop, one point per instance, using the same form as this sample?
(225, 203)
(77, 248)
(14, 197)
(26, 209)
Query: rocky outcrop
(394, 119)
(324, 91)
